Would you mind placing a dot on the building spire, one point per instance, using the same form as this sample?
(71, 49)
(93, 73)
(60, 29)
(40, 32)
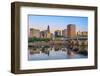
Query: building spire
(48, 29)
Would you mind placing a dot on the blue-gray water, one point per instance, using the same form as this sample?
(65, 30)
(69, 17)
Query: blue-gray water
(52, 53)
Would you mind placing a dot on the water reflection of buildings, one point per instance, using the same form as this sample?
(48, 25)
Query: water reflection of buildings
(46, 49)
(50, 50)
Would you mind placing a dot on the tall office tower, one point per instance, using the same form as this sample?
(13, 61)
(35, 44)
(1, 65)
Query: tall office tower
(71, 30)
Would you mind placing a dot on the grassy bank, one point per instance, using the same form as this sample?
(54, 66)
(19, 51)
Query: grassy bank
(38, 39)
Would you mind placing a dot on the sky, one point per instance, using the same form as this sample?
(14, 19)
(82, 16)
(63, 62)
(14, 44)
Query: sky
(57, 22)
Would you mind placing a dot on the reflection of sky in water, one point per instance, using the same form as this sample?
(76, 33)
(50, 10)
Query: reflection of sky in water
(53, 55)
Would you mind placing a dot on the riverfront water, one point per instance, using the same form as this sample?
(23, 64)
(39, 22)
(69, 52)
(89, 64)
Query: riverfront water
(52, 53)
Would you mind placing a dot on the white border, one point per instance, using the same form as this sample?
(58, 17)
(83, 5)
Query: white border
(25, 64)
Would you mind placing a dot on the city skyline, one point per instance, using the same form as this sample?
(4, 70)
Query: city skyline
(57, 22)
(69, 32)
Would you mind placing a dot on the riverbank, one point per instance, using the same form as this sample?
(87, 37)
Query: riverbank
(47, 43)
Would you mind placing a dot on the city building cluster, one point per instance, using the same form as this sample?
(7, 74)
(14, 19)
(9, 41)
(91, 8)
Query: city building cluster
(70, 32)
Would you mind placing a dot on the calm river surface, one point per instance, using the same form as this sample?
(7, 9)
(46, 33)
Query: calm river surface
(52, 53)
